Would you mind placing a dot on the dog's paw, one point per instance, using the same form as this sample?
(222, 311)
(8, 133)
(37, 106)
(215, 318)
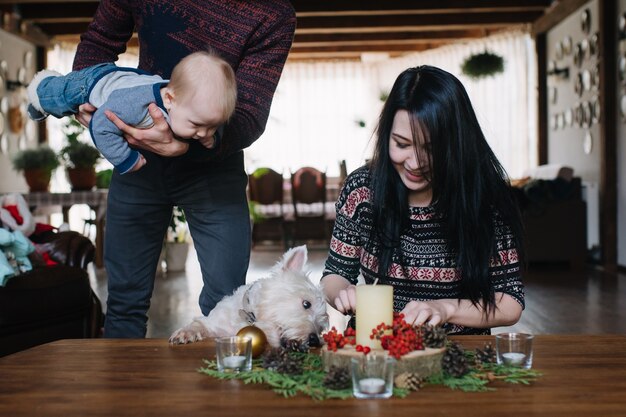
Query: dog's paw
(192, 332)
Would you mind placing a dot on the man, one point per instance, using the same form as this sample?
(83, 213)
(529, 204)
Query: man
(254, 37)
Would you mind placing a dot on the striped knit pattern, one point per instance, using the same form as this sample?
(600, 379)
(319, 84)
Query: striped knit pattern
(423, 268)
(254, 36)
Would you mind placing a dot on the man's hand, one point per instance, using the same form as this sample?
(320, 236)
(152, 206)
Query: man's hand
(158, 139)
(85, 112)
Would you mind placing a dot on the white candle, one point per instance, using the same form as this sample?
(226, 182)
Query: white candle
(374, 305)
(371, 385)
(234, 362)
(513, 358)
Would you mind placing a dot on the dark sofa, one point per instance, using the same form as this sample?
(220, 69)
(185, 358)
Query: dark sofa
(51, 303)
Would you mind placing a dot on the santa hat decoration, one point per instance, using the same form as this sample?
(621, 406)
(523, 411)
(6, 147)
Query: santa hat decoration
(21, 219)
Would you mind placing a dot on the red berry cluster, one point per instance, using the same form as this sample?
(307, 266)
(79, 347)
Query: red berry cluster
(364, 349)
(335, 340)
(400, 338)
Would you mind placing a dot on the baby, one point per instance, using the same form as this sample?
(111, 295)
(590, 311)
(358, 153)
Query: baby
(199, 97)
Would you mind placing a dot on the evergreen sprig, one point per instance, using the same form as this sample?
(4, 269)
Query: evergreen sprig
(310, 382)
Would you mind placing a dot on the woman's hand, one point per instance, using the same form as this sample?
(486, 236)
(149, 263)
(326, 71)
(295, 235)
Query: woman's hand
(158, 139)
(345, 301)
(85, 112)
(339, 293)
(431, 312)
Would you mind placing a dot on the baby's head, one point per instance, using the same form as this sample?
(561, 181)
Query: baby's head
(200, 96)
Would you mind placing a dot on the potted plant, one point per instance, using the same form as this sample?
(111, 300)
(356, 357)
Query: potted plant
(79, 157)
(176, 245)
(37, 165)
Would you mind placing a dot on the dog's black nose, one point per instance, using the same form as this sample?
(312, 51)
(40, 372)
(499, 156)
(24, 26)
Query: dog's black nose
(314, 340)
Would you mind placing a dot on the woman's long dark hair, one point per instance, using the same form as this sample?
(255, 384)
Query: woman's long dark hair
(468, 182)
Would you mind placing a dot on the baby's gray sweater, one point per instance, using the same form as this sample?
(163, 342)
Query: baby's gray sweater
(127, 94)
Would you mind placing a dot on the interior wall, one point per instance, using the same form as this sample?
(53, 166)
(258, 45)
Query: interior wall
(17, 63)
(621, 143)
(573, 115)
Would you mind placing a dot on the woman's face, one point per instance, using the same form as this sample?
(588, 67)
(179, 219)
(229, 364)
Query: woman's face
(414, 171)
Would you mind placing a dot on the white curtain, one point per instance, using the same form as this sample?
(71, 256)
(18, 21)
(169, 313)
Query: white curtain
(317, 106)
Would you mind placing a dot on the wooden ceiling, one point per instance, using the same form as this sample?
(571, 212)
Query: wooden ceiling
(327, 29)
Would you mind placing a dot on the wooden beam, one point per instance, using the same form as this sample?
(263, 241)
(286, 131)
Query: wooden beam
(364, 48)
(60, 11)
(311, 7)
(377, 38)
(556, 15)
(405, 22)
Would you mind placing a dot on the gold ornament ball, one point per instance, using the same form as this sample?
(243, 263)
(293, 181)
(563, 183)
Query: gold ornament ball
(259, 340)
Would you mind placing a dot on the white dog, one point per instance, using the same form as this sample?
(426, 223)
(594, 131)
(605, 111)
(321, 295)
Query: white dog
(286, 305)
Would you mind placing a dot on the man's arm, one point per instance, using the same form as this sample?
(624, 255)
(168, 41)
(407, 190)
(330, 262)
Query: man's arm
(106, 36)
(257, 77)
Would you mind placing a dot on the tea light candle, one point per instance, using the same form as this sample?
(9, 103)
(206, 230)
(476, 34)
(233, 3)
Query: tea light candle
(513, 358)
(372, 385)
(234, 362)
(374, 305)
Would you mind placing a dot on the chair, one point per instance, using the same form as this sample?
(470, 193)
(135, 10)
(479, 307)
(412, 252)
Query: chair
(265, 188)
(308, 195)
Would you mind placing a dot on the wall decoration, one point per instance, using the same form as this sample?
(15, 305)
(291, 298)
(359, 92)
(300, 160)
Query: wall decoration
(2, 85)
(587, 114)
(584, 46)
(28, 60)
(21, 75)
(588, 143)
(553, 122)
(595, 78)
(594, 44)
(621, 24)
(586, 80)
(578, 84)
(569, 117)
(622, 108)
(622, 68)
(585, 20)
(560, 121)
(568, 45)
(4, 69)
(596, 110)
(1, 124)
(578, 115)
(579, 55)
(558, 51)
(4, 143)
(482, 65)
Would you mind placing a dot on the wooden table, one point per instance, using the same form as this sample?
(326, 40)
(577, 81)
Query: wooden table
(583, 376)
(95, 199)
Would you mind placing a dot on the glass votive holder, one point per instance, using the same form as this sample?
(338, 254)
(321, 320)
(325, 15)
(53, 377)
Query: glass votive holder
(372, 375)
(233, 354)
(514, 349)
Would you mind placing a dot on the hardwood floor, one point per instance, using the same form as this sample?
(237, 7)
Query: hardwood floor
(557, 300)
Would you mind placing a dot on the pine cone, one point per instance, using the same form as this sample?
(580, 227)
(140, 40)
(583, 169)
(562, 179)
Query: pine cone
(273, 357)
(486, 355)
(337, 378)
(454, 362)
(408, 380)
(294, 345)
(290, 365)
(434, 336)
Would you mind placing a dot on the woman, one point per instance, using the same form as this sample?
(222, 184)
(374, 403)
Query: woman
(432, 214)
